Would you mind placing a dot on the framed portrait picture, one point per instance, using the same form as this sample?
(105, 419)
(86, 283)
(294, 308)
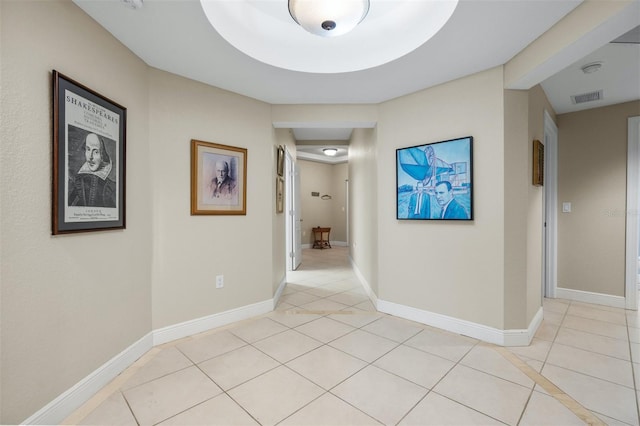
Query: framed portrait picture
(218, 179)
(435, 181)
(279, 194)
(538, 163)
(89, 140)
(280, 161)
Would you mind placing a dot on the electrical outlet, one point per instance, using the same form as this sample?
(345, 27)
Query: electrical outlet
(219, 281)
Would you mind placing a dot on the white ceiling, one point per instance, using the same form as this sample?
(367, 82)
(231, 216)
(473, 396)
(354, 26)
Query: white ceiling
(265, 30)
(618, 78)
(175, 36)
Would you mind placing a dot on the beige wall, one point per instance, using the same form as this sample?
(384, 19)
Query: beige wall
(538, 104)
(327, 179)
(314, 177)
(70, 302)
(592, 148)
(363, 204)
(189, 251)
(357, 115)
(159, 271)
(339, 180)
(455, 269)
(285, 138)
(516, 185)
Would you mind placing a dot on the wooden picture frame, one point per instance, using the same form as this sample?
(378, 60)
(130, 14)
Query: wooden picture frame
(538, 163)
(279, 194)
(280, 161)
(435, 181)
(218, 179)
(89, 159)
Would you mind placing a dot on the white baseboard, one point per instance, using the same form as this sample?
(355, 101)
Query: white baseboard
(65, 404)
(281, 286)
(467, 328)
(304, 246)
(367, 288)
(198, 325)
(589, 297)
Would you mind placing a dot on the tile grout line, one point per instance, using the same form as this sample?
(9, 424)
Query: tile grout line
(574, 406)
(432, 388)
(224, 392)
(633, 372)
(88, 407)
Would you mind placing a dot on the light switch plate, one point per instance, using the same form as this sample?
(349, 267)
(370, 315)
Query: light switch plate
(566, 207)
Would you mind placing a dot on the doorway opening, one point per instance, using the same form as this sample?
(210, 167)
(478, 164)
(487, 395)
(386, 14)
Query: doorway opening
(292, 211)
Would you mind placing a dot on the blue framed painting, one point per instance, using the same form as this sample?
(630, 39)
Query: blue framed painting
(435, 181)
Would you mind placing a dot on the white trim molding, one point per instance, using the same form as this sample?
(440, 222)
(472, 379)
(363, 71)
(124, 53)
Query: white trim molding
(365, 283)
(198, 325)
(281, 286)
(589, 297)
(65, 404)
(517, 337)
(72, 399)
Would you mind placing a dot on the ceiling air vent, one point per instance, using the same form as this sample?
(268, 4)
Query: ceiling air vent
(587, 97)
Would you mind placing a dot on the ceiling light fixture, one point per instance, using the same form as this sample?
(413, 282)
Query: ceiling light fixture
(328, 18)
(591, 68)
(330, 151)
(266, 31)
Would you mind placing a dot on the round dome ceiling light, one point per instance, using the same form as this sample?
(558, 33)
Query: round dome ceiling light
(371, 32)
(330, 151)
(328, 18)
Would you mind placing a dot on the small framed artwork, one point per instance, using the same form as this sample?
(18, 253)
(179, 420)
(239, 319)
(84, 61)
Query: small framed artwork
(89, 140)
(279, 194)
(538, 163)
(435, 181)
(280, 161)
(218, 179)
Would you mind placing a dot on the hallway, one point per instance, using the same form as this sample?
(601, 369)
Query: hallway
(325, 357)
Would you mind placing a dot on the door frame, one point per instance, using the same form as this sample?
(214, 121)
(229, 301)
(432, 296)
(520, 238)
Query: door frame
(292, 236)
(633, 213)
(550, 217)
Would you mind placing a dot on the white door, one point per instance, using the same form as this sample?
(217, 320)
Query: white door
(294, 225)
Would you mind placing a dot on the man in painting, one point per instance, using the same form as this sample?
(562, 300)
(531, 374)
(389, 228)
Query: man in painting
(419, 203)
(451, 209)
(222, 185)
(92, 187)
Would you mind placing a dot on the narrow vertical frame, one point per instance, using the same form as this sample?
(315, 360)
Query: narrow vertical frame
(538, 163)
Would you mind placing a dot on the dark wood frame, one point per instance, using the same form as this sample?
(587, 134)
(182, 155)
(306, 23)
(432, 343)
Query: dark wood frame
(77, 112)
(280, 161)
(203, 158)
(538, 163)
(279, 194)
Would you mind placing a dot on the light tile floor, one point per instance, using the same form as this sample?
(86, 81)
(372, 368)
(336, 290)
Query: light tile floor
(325, 357)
